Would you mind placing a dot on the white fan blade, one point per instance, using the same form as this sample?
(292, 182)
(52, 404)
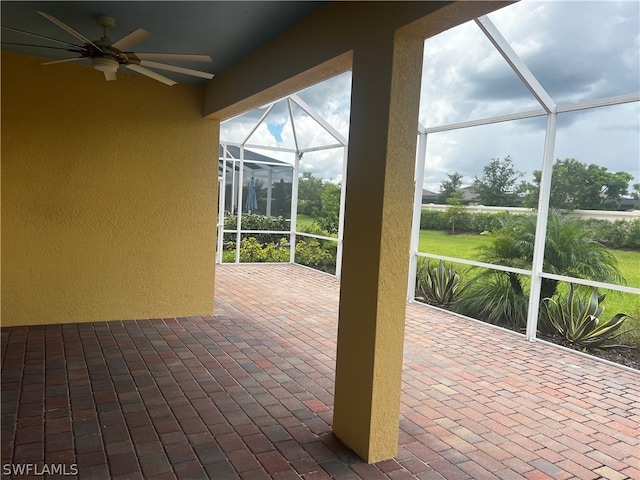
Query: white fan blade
(70, 30)
(108, 76)
(132, 39)
(64, 60)
(173, 68)
(176, 57)
(149, 73)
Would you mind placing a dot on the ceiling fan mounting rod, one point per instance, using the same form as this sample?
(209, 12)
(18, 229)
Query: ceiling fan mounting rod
(106, 22)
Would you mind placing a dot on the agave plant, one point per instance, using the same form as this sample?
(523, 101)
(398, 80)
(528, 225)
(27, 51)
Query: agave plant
(439, 285)
(578, 321)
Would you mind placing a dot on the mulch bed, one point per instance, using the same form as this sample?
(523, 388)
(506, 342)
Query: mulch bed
(629, 357)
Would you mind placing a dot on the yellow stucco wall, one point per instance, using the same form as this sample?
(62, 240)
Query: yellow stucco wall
(109, 193)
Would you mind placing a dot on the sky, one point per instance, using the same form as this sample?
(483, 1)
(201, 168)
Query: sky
(577, 50)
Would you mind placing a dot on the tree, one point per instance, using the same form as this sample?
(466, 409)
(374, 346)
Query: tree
(328, 216)
(309, 192)
(499, 183)
(281, 198)
(455, 210)
(449, 186)
(576, 185)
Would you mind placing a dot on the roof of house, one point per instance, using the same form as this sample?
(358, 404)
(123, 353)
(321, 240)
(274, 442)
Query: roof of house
(252, 159)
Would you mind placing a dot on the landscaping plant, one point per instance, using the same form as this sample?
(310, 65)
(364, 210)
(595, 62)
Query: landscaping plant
(313, 253)
(578, 321)
(490, 297)
(439, 286)
(501, 297)
(253, 251)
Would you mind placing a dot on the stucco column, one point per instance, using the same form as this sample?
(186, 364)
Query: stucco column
(378, 211)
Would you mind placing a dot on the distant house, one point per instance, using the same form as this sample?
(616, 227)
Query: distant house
(468, 195)
(252, 160)
(628, 204)
(428, 196)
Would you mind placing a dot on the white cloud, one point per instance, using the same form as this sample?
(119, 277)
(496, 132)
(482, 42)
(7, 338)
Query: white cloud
(578, 50)
(329, 99)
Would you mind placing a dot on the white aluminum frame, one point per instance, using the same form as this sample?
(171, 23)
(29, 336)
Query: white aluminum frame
(341, 142)
(550, 110)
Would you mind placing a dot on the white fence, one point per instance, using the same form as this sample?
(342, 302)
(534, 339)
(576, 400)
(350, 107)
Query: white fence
(611, 216)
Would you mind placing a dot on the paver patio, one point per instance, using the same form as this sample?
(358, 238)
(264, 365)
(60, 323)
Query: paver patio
(248, 393)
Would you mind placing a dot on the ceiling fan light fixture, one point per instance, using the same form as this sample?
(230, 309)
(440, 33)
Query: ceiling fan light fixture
(106, 57)
(106, 65)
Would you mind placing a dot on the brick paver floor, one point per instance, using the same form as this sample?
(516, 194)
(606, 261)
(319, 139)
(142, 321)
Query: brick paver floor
(248, 393)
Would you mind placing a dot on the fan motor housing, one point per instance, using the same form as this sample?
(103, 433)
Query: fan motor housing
(105, 64)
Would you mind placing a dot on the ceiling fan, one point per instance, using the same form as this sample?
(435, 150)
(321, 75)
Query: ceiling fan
(107, 56)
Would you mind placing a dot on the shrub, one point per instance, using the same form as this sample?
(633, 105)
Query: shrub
(433, 220)
(253, 251)
(469, 222)
(312, 253)
(578, 321)
(487, 222)
(257, 222)
(618, 234)
(492, 299)
(328, 216)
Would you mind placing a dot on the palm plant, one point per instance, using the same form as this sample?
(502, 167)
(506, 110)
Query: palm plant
(570, 250)
(578, 321)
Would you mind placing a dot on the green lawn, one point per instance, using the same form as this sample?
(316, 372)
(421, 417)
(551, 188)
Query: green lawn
(304, 220)
(460, 246)
(629, 265)
(466, 245)
(307, 221)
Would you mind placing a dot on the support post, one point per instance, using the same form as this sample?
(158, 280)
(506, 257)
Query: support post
(379, 197)
(417, 212)
(294, 207)
(239, 217)
(343, 192)
(269, 190)
(222, 192)
(541, 227)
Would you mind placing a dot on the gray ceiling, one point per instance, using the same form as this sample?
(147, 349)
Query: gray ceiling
(226, 31)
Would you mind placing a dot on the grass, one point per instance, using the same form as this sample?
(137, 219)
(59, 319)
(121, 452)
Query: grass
(460, 245)
(629, 265)
(304, 221)
(466, 246)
